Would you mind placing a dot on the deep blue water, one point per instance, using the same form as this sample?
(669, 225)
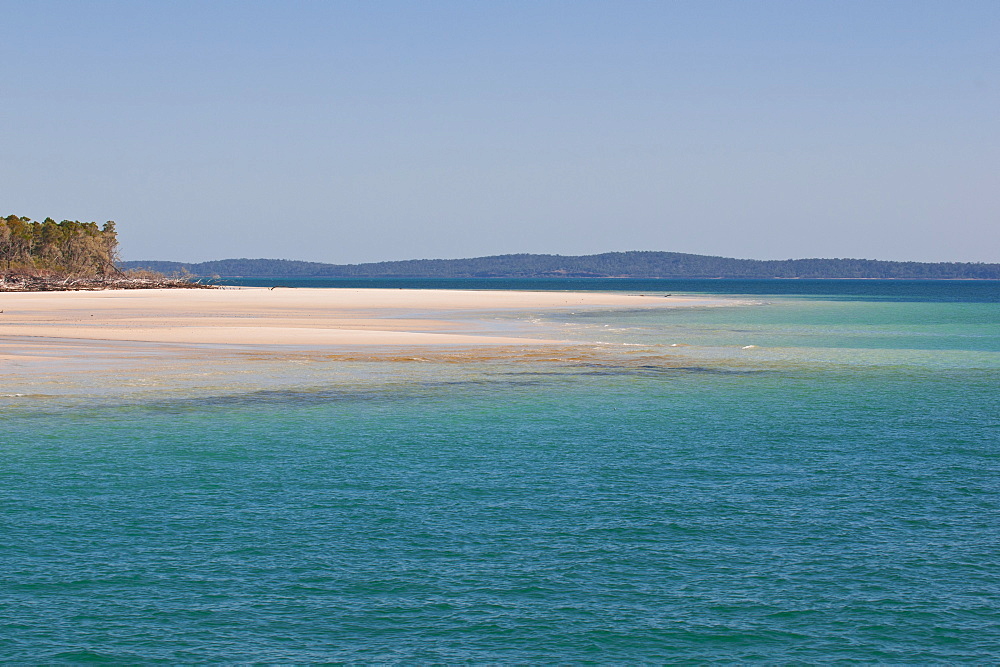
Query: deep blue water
(830, 494)
(864, 290)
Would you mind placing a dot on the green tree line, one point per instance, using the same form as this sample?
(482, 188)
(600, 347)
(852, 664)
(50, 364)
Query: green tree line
(69, 247)
(635, 264)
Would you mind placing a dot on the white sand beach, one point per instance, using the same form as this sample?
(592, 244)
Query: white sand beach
(288, 316)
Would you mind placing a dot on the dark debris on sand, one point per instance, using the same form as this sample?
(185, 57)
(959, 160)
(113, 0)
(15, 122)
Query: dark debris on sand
(55, 283)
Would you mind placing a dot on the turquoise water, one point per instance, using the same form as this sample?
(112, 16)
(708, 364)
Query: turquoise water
(667, 493)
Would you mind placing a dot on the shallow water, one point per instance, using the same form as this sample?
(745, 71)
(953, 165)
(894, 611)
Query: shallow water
(666, 492)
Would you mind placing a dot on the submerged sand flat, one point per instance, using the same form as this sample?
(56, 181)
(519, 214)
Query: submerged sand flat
(243, 339)
(285, 316)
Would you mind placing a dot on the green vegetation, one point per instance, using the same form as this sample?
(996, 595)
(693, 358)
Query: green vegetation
(67, 248)
(68, 255)
(612, 264)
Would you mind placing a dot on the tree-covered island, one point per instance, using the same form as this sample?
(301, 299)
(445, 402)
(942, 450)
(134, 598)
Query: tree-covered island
(67, 255)
(52, 255)
(634, 264)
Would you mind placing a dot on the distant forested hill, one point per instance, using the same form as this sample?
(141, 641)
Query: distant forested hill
(644, 264)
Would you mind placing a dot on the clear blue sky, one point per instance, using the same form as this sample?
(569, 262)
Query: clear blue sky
(374, 130)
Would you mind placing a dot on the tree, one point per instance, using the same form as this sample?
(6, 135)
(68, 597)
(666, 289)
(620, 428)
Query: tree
(69, 247)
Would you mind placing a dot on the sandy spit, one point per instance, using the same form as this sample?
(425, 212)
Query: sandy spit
(286, 316)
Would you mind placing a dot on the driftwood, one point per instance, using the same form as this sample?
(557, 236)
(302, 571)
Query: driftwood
(57, 283)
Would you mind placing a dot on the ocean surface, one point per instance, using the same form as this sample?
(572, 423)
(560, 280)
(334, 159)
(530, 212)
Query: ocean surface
(810, 473)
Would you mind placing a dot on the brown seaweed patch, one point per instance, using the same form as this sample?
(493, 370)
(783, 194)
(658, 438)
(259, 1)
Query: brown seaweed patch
(585, 359)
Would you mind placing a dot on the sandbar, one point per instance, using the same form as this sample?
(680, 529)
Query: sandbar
(308, 317)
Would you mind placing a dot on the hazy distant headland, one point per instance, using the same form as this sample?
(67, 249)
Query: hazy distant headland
(635, 264)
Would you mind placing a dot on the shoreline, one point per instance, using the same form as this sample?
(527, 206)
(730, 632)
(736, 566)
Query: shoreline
(304, 317)
(32, 283)
(128, 343)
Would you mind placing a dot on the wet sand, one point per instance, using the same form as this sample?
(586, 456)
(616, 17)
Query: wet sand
(314, 318)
